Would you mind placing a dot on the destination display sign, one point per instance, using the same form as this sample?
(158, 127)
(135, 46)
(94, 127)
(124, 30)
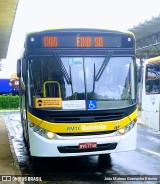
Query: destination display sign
(80, 41)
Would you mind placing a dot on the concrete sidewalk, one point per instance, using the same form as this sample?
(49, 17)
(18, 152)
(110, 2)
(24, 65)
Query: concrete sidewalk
(8, 162)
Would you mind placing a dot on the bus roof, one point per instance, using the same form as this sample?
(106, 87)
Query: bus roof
(155, 59)
(81, 30)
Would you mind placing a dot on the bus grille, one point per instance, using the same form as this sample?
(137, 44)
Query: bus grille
(75, 149)
(87, 118)
(86, 133)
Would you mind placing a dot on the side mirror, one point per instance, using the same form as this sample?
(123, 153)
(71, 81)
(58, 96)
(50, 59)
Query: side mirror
(19, 68)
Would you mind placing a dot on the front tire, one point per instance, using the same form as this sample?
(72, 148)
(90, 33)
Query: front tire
(104, 160)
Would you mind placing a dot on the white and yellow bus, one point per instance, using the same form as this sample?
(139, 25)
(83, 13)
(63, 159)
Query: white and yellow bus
(78, 92)
(151, 93)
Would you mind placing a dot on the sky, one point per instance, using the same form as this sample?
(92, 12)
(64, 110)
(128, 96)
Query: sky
(37, 15)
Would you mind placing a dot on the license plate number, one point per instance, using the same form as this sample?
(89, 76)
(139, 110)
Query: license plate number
(87, 145)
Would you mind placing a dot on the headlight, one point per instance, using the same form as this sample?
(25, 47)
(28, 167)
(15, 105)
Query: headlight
(127, 128)
(41, 131)
(50, 135)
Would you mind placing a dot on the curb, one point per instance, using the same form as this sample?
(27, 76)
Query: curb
(9, 110)
(15, 161)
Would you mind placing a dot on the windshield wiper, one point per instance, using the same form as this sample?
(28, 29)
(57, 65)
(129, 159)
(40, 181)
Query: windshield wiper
(70, 72)
(94, 78)
(64, 71)
(103, 66)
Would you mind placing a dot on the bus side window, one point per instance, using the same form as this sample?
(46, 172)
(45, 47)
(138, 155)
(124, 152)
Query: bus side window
(152, 86)
(149, 86)
(152, 78)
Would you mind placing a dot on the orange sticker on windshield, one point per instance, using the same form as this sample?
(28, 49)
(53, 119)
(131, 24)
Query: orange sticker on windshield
(48, 102)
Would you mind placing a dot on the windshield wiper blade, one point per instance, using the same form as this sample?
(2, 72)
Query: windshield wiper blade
(64, 71)
(103, 66)
(70, 72)
(94, 78)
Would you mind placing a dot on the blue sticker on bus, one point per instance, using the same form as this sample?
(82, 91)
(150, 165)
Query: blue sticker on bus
(75, 61)
(91, 104)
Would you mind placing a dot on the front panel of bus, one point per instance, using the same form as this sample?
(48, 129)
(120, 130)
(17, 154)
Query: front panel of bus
(81, 101)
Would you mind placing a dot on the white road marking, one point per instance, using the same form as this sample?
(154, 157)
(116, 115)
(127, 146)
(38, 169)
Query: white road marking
(152, 152)
(150, 138)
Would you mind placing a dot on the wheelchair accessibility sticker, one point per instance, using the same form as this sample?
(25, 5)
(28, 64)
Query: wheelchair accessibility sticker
(91, 104)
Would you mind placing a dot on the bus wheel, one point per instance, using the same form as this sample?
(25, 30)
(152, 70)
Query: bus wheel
(26, 139)
(104, 160)
(35, 161)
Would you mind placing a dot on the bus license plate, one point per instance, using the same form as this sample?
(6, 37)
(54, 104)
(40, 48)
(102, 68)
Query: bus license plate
(87, 145)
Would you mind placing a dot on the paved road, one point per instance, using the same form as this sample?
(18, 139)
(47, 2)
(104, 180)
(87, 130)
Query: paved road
(145, 160)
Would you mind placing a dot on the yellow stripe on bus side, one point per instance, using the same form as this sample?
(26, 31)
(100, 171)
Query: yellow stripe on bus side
(34, 119)
(155, 59)
(82, 127)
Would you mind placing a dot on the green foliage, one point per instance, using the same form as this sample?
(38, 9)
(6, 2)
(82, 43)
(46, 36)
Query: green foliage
(9, 102)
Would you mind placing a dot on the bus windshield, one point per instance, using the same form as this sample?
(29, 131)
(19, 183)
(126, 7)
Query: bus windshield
(82, 82)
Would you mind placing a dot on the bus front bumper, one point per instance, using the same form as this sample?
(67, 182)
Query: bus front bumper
(69, 146)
